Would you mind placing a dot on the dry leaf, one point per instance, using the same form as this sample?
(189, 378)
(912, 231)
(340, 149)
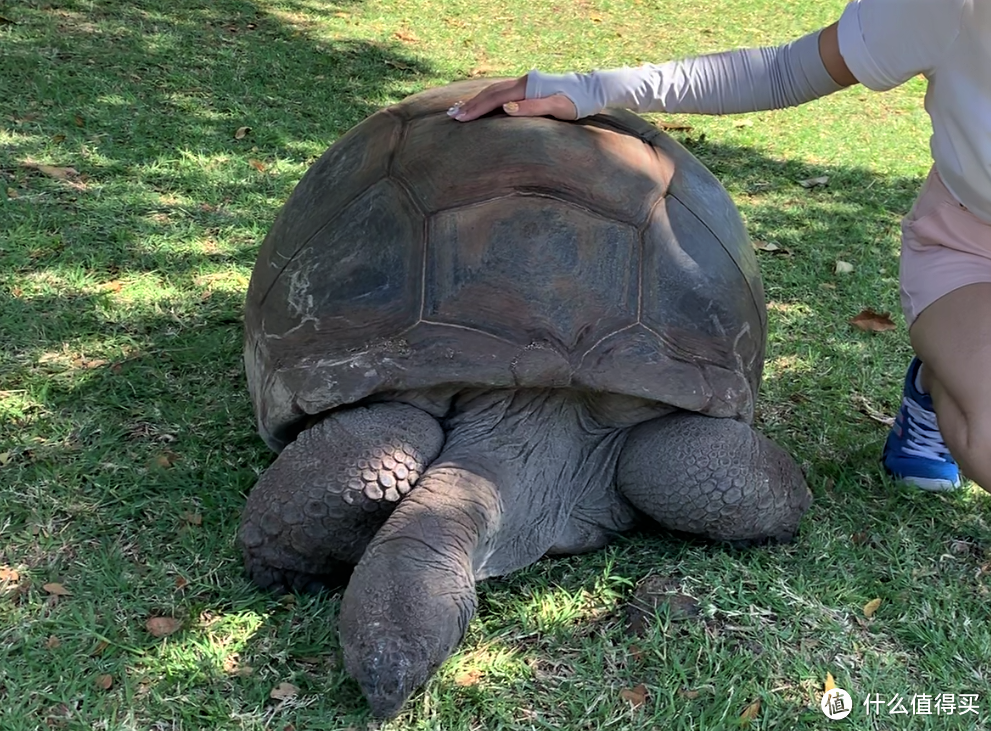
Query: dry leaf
(873, 321)
(636, 696)
(58, 139)
(166, 459)
(9, 574)
(233, 666)
(405, 36)
(113, 286)
(843, 267)
(283, 691)
(180, 582)
(257, 165)
(865, 407)
(80, 122)
(830, 683)
(814, 182)
(59, 173)
(4, 458)
(89, 364)
(56, 590)
(100, 647)
(193, 518)
(104, 682)
(52, 642)
(162, 626)
(241, 133)
(595, 19)
(636, 653)
(871, 607)
(11, 193)
(398, 65)
(750, 712)
(481, 70)
(689, 694)
(673, 127)
(468, 679)
(743, 123)
(771, 247)
(231, 663)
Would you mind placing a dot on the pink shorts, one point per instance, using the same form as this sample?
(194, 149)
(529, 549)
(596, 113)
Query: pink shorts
(944, 247)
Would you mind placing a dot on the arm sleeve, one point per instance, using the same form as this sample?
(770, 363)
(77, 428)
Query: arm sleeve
(887, 42)
(744, 80)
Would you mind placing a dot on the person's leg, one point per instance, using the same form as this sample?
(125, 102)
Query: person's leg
(915, 451)
(945, 273)
(952, 338)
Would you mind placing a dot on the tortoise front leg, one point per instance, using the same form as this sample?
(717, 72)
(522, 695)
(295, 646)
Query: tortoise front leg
(716, 478)
(412, 595)
(312, 513)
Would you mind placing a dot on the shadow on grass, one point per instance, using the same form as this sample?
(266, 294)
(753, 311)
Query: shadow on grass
(145, 101)
(138, 257)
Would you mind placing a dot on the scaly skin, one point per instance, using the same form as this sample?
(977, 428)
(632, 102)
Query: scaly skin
(522, 473)
(314, 510)
(525, 473)
(715, 478)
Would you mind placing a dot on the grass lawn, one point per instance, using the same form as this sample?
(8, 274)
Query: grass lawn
(131, 208)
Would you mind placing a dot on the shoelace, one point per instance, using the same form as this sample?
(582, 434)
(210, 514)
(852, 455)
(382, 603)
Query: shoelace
(924, 439)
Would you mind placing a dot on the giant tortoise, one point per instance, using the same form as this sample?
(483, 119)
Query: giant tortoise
(475, 345)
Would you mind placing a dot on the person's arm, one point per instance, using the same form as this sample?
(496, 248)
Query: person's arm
(724, 83)
(878, 43)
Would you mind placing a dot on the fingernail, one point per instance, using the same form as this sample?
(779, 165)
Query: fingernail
(453, 111)
(511, 107)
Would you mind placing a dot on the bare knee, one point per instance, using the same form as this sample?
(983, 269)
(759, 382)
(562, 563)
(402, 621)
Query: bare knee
(966, 429)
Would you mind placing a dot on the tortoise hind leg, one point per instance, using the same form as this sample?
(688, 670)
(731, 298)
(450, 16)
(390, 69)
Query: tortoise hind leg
(716, 478)
(313, 512)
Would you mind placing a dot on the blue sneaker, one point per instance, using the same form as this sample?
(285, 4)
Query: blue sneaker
(915, 452)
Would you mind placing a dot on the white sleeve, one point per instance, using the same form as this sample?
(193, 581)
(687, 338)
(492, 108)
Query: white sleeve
(743, 80)
(887, 42)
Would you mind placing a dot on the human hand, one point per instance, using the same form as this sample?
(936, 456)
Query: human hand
(511, 96)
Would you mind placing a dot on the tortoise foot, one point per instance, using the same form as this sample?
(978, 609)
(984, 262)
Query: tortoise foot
(716, 478)
(285, 581)
(314, 510)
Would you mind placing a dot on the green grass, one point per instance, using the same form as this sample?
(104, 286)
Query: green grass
(127, 441)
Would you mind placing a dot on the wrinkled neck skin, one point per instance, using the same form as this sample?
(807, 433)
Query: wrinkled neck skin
(514, 466)
(545, 451)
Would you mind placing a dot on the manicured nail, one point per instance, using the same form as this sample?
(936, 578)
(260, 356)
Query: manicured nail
(455, 110)
(511, 107)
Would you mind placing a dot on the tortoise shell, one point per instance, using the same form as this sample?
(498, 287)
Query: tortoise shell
(419, 253)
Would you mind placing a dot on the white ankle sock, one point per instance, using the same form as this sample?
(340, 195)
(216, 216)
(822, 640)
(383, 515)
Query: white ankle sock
(918, 379)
